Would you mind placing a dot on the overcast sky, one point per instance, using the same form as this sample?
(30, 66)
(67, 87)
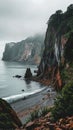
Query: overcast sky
(22, 18)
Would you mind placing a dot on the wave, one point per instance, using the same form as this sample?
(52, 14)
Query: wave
(17, 97)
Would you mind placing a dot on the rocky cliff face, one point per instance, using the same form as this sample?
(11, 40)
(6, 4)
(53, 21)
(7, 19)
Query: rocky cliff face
(8, 117)
(58, 50)
(28, 50)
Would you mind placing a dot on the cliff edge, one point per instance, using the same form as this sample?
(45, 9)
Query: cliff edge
(58, 52)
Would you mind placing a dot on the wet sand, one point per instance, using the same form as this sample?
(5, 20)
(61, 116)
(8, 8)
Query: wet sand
(24, 107)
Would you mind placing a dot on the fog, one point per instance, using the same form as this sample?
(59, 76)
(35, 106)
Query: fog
(22, 18)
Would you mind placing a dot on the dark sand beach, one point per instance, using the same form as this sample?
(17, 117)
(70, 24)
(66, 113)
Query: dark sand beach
(27, 105)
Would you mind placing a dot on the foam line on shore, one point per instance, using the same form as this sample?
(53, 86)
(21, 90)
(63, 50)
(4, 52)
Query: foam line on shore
(15, 98)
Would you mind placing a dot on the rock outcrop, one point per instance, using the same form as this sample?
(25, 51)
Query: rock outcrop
(8, 117)
(58, 52)
(28, 74)
(28, 51)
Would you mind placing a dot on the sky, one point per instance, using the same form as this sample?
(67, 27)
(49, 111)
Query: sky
(22, 18)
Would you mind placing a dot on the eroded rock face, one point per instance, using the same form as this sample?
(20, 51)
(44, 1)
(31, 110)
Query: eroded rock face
(8, 117)
(27, 51)
(58, 40)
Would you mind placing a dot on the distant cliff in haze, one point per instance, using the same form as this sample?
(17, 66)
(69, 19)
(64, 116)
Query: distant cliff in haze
(28, 51)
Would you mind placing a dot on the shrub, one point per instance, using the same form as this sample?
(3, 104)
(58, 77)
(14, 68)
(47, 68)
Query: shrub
(45, 110)
(38, 113)
(63, 105)
(34, 115)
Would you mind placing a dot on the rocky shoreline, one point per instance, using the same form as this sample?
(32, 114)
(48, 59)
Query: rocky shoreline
(24, 107)
(56, 69)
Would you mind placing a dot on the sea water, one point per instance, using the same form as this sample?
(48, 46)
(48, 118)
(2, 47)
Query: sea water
(11, 87)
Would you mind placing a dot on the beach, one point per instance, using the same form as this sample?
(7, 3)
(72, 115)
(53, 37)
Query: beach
(36, 101)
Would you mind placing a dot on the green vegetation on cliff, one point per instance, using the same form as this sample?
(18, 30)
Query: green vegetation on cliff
(56, 67)
(58, 51)
(56, 64)
(62, 22)
(63, 105)
(8, 117)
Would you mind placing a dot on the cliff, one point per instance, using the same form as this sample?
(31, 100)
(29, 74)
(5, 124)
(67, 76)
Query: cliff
(56, 67)
(8, 117)
(58, 52)
(28, 51)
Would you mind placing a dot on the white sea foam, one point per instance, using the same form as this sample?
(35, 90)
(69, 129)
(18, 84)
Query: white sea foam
(14, 98)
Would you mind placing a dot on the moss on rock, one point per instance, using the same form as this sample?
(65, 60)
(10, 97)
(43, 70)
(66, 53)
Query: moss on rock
(8, 117)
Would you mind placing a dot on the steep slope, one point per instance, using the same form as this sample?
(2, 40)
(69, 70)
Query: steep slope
(58, 52)
(28, 50)
(56, 67)
(8, 117)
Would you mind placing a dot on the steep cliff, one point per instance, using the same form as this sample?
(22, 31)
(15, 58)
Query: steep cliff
(28, 50)
(58, 52)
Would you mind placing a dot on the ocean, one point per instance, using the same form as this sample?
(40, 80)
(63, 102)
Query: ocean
(11, 88)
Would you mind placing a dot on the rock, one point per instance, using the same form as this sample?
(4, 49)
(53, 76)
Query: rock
(23, 90)
(58, 50)
(8, 117)
(27, 51)
(17, 76)
(58, 79)
(23, 98)
(35, 71)
(28, 74)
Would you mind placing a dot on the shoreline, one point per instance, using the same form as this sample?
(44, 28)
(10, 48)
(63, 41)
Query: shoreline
(22, 96)
(24, 107)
